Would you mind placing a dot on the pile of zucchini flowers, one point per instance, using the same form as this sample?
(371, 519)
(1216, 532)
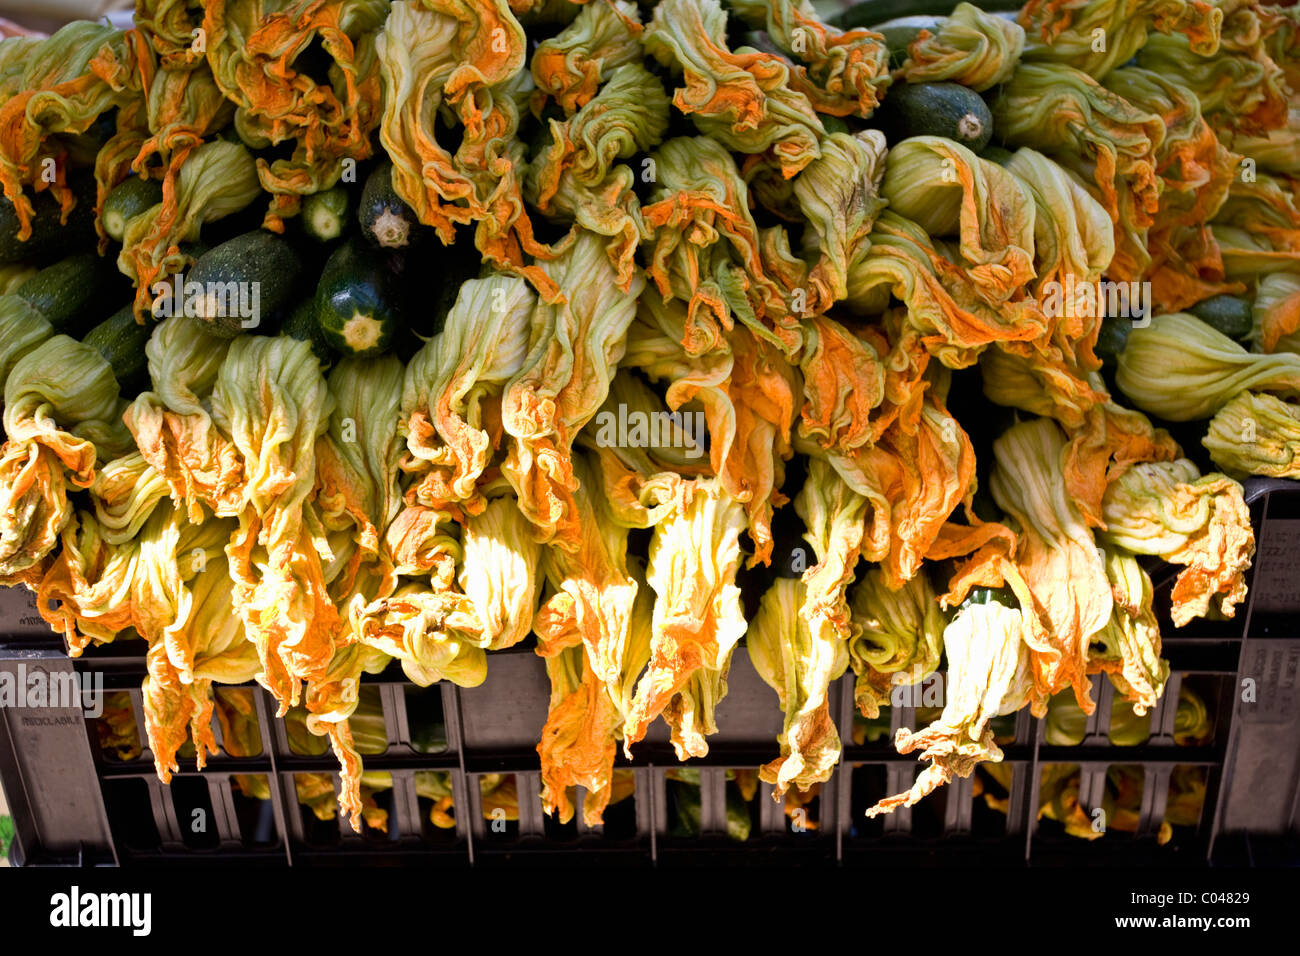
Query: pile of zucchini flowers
(479, 231)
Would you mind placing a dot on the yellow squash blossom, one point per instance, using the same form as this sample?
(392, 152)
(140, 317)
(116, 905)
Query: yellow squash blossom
(450, 409)
(62, 417)
(799, 661)
(1169, 509)
(743, 99)
(989, 674)
(896, 638)
(1128, 648)
(970, 47)
(172, 425)
(574, 347)
(1256, 434)
(1055, 554)
(697, 619)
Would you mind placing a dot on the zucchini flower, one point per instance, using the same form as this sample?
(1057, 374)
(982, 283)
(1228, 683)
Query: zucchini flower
(1168, 509)
(1195, 171)
(843, 73)
(357, 494)
(66, 82)
(970, 47)
(452, 389)
(169, 27)
(272, 403)
(799, 662)
(572, 65)
(1127, 649)
(1055, 554)
(415, 69)
(575, 180)
(844, 381)
(1089, 130)
(745, 100)
(1193, 165)
(178, 699)
(708, 251)
(413, 625)
(1249, 253)
(1240, 88)
(697, 619)
(1281, 27)
(217, 179)
(592, 590)
(1044, 380)
(594, 632)
(1110, 440)
(172, 426)
(440, 628)
(839, 196)
(1067, 31)
(1274, 150)
(22, 328)
(746, 390)
(896, 638)
(251, 49)
(1073, 240)
(62, 417)
(125, 492)
(462, 61)
(913, 478)
(946, 308)
(574, 347)
(1276, 313)
(1257, 229)
(949, 191)
(13, 275)
(1182, 370)
(184, 107)
(989, 674)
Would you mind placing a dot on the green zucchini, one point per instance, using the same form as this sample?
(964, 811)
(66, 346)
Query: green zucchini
(386, 220)
(356, 300)
(978, 595)
(325, 214)
(301, 325)
(937, 109)
(1111, 338)
(71, 288)
(872, 13)
(131, 197)
(242, 282)
(1229, 314)
(51, 235)
(121, 340)
(996, 154)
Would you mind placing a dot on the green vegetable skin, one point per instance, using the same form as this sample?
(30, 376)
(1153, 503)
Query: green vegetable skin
(325, 214)
(301, 325)
(1229, 314)
(937, 109)
(71, 291)
(121, 340)
(130, 198)
(356, 301)
(50, 234)
(249, 278)
(386, 220)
